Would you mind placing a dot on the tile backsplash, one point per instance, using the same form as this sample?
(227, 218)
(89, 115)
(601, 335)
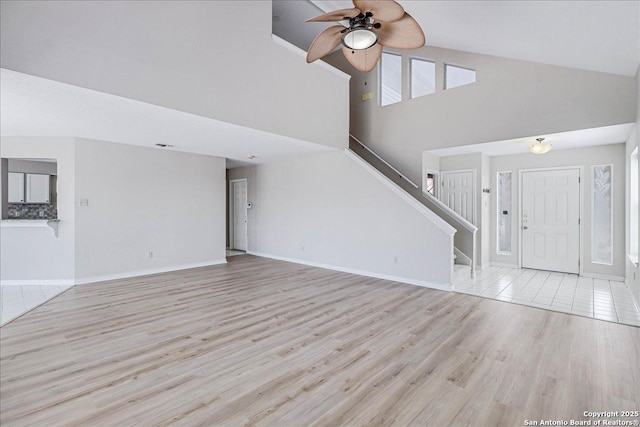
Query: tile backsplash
(31, 211)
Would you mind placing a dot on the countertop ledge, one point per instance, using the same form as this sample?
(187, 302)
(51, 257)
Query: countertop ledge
(51, 223)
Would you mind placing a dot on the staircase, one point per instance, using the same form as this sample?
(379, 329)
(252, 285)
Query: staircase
(465, 237)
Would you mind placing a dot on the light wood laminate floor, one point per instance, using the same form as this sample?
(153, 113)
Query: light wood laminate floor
(265, 342)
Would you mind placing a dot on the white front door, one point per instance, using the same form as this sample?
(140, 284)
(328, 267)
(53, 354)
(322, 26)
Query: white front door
(239, 215)
(458, 193)
(550, 220)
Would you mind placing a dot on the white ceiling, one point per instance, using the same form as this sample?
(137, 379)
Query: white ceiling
(592, 35)
(33, 106)
(560, 141)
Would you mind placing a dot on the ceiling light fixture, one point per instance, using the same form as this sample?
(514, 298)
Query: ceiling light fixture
(370, 25)
(540, 147)
(359, 35)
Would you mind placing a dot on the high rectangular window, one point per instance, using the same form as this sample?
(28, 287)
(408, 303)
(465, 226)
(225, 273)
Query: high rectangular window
(423, 77)
(390, 79)
(458, 76)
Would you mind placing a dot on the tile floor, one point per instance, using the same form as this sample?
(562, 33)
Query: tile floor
(17, 300)
(569, 293)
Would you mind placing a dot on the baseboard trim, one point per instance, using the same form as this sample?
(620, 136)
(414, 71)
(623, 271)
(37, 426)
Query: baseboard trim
(503, 264)
(137, 273)
(603, 276)
(422, 283)
(31, 282)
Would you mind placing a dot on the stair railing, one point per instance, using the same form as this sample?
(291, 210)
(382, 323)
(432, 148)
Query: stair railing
(400, 174)
(465, 237)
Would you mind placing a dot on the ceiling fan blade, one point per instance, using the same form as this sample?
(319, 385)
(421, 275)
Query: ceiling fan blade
(402, 34)
(383, 10)
(363, 60)
(325, 42)
(336, 15)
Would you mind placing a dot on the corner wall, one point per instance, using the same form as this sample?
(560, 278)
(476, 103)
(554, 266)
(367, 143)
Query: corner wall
(143, 200)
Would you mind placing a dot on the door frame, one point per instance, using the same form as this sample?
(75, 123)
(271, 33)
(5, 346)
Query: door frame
(474, 191)
(231, 212)
(581, 184)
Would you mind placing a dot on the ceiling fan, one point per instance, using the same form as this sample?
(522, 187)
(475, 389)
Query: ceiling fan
(372, 24)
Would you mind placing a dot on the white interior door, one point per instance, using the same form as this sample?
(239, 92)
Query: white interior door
(550, 220)
(458, 192)
(239, 215)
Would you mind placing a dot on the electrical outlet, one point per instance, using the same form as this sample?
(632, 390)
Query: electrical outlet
(41, 213)
(84, 202)
(150, 254)
(395, 259)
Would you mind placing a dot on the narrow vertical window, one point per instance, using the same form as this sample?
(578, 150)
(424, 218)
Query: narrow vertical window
(432, 183)
(602, 215)
(390, 79)
(504, 213)
(633, 204)
(458, 76)
(423, 77)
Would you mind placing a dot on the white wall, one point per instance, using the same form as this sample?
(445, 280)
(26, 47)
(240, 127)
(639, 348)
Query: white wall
(329, 210)
(585, 157)
(139, 200)
(510, 99)
(199, 57)
(143, 200)
(35, 253)
(632, 271)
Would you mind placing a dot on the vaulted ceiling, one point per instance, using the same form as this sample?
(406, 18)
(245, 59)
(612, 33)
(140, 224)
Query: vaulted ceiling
(591, 35)
(192, 48)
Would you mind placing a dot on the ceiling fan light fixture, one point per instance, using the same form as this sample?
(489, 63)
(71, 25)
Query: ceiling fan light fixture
(359, 39)
(540, 147)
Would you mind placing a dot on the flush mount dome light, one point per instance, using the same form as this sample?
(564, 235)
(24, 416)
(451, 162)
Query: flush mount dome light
(540, 147)
(359, 39)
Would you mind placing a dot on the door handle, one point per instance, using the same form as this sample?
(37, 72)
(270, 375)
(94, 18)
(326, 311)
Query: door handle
(524, 227)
